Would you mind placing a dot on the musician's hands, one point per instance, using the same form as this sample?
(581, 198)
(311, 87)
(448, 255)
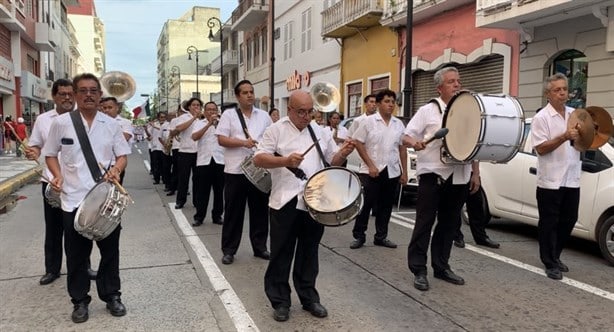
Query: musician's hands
(573, 133)
(32, 152)
(250, 143)
(294, 160)
(56, 183)
(474, 183)
(403, 179)
(373, 171)
(418, 146)
(112, 175)
(347, 147)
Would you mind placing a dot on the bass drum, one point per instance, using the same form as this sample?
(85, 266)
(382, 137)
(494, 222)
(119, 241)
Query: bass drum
(100, 212)
(482, 127)
(333, 196)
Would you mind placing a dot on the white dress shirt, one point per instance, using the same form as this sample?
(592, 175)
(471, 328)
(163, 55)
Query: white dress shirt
(186, 143)
(107, 142)
(39, 135)
(382, 143)
(562, 166)
(156, 133)
(356, 124)
(208, 147)
(342, 133)
(171, 127)
(230, 126)
(126, 126)
(284, 138)
(423, 126)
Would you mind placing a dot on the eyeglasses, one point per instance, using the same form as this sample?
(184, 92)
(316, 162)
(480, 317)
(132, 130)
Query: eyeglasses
(65, 94)
(86, 91)
(303, 113)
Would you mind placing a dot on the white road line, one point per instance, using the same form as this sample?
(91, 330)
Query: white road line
(139, 151)
(232, 303)
(409, 223)
(147, 165)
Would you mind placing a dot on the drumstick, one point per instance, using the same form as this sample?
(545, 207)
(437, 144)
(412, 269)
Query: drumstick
(309, 149)
(438, 134)
(115, 182)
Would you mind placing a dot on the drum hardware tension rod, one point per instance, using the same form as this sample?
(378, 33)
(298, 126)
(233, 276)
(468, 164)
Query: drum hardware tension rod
(115, 182)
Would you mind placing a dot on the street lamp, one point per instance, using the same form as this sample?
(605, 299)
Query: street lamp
(177, 70)
(193, 49)
(211, 22)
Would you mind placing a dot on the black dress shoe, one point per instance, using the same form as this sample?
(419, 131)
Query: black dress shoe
(170, 193)
(488, 243)
(80, 313)
(218, 220)
(357, 243)
(263, 254)
(385, 243)
(48, 278)
(316, 309)
(197, 223)
(156, 182)
(281, 314)
(459, 243)
(421, 282)
(92, 274)
(179, 206)
(116, 307)
(554, 273)
(449, 276)
(562, 266)
(228, 259)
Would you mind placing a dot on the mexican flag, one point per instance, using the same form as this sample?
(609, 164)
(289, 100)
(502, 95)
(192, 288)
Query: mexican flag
(141, 111)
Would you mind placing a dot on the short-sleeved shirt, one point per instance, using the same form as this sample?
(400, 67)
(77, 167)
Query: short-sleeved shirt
(342, 133)
(171, 127)
(186, 143)
(562, 166)
(40, 132)
(107, 141)
(284, 138)
(208, 147)
(382, 143)
(230, 126)
(356, 124)
(126, 126)
(156, 133)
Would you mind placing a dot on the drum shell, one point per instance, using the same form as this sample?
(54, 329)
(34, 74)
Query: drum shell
(333, 196)
(259, 177)
(100, 212)
(483, 127)
(52, 197)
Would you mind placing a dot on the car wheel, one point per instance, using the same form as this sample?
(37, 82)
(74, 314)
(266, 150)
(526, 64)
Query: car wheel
(606, 239)
(485, 212)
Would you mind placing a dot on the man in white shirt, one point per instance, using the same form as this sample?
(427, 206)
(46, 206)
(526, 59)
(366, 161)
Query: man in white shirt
(209, 167)
(72, 176)
(172, 187)
(167, 161)
(110, 107)
(63, 97)
(379, 143)
(238, 189)
(370, 109)
(442, 188)
(558, 175)
(186, 159)
(156, 147)
(294, 234)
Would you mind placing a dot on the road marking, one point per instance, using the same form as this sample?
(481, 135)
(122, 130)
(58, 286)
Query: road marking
(139, 151)
(232, 303)
(409, 223)
(147, 165)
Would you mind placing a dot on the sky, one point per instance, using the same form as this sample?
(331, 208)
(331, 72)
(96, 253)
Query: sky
(132, 29)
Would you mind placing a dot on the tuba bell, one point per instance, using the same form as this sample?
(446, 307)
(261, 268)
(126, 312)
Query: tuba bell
(325, 97)
(118, 84)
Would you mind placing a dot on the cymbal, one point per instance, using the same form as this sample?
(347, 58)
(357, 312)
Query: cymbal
(581, 120)
(603, 125)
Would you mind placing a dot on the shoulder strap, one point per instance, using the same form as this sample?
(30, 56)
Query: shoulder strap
(315, 140)
(243, 125)
(85, 146)
(434, 101)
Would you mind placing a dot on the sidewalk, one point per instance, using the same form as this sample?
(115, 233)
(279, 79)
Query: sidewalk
(14, 174)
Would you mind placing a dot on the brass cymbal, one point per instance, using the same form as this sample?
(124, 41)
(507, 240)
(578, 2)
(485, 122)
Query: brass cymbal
(603, 125)
(581, 120)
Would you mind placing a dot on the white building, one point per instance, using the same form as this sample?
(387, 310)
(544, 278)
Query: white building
(90, 36)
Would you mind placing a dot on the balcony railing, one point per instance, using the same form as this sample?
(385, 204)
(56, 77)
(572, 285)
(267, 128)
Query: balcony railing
(230, 60)
(345, 17)
(395, 12)
(249, 14)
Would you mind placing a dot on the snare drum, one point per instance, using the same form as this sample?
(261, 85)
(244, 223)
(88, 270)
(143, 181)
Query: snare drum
(333, 196)
(482, 127)
(259, 177)
(52, 196)
(100, 212)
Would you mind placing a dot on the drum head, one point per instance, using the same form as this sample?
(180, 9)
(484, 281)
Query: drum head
(89, 209)
(332, 189)
(463, 120)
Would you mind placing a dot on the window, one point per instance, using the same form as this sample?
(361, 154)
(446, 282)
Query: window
(264, 43)
(306, 30)
(240, 54)
(379, 84)
(354, 99)
(574, 65)
(256, 39)
(248, 54)
(288, 40)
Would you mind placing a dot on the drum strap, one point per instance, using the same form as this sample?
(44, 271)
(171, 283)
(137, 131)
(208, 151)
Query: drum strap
(315, 140)
(434, 101)
(243, 125)
(85, 146)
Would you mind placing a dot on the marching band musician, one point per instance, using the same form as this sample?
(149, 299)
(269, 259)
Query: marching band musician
(294, 234)
(110, 107)
(62, 94)
(238, 189)
(172, 187)
(558, 175)
(186, 159)
(379, 143)
(166, 140)
(339, 133)
(157, 147)
(370, 109)
(442, 188)
(72, 176)
(209, 167)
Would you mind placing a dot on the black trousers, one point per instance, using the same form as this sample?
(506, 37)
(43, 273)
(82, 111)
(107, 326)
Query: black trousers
(477, 220)
(558, 213)
(167, 164)
(172, 185)
(437, 198)
(237, 191)
(186, 164)
(378, 191)
(54, 233)
(156, 164)
(209, 177)
(78, 250)
(294, 234)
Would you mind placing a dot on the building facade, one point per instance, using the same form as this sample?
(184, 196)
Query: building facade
(90, 37)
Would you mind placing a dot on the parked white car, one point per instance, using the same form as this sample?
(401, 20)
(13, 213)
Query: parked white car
(509, 192)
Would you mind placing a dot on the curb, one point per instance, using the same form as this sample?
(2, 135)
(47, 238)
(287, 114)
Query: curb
(13, 184)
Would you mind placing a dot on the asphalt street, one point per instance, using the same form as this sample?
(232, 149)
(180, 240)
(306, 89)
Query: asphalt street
(173, 279)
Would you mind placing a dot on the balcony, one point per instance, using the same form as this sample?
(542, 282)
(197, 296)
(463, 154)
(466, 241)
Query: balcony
(395, 12)
(8, 9)
(229, 97)
(230, 58)
(250, 14)
(507, 14)
(43, 35)
(98, 44)
(346, 17)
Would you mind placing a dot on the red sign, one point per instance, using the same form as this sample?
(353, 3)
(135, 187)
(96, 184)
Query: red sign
(297, 81)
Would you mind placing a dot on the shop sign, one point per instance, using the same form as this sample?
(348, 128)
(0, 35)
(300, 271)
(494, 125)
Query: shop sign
(297, 81)
(7, 74)
(33, 87)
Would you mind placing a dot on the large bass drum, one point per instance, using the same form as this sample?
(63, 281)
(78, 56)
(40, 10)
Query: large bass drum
(100, 212)
(259, 177)
(333, 196)
(482, 127)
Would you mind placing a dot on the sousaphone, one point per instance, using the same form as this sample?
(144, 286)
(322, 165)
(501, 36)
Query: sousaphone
(118, 84)
(325, 97)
